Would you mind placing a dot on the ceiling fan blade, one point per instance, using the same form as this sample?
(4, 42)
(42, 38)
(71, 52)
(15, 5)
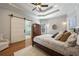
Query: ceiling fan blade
(40, 9)
(36, 3)
(44, 5)
(33, 9)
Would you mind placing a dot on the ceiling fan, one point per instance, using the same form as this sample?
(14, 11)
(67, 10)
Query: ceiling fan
(38, 6)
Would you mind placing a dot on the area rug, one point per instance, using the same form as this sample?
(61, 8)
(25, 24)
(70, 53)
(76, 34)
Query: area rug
(30, 51)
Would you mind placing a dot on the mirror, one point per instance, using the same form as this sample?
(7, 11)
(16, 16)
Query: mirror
(54, 26)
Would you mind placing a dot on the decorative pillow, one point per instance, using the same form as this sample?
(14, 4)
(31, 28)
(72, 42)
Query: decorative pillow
(59, 35)
(71, 41)
(65, 31)
(54, 35)
(65, 36)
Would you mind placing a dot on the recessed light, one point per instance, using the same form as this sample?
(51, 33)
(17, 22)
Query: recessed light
(55, 5)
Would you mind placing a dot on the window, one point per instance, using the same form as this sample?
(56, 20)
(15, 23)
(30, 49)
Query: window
(72, 23)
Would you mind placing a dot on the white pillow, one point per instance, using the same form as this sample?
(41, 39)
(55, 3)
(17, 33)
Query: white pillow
(71, 41)
(73, 35)
(58, 35)
(77, 39)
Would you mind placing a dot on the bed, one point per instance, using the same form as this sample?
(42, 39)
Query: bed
(54, 47)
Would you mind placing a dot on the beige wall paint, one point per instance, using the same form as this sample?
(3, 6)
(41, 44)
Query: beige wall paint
(58, 21)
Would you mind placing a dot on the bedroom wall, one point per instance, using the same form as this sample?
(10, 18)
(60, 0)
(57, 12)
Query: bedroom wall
(5, 23)
(58, 21)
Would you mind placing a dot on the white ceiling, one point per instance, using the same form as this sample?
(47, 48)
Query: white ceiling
(48, 12)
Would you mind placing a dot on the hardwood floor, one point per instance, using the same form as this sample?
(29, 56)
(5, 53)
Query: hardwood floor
(15, 47)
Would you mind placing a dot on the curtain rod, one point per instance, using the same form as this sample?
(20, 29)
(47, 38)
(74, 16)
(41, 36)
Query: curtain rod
(11, 15)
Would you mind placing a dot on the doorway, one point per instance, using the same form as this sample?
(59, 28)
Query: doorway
(27, 29)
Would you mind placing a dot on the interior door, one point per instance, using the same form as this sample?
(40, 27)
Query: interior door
(17, 29)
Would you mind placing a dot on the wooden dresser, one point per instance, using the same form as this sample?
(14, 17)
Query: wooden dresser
(36, 30)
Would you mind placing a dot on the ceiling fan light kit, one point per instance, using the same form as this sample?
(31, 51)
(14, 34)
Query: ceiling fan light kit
(38, 6)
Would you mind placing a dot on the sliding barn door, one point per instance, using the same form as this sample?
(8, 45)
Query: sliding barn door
(17, 30)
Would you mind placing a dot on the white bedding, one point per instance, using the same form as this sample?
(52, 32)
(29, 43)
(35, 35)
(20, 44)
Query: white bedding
(47, 41)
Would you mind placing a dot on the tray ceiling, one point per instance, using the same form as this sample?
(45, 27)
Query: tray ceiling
(53, 9)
